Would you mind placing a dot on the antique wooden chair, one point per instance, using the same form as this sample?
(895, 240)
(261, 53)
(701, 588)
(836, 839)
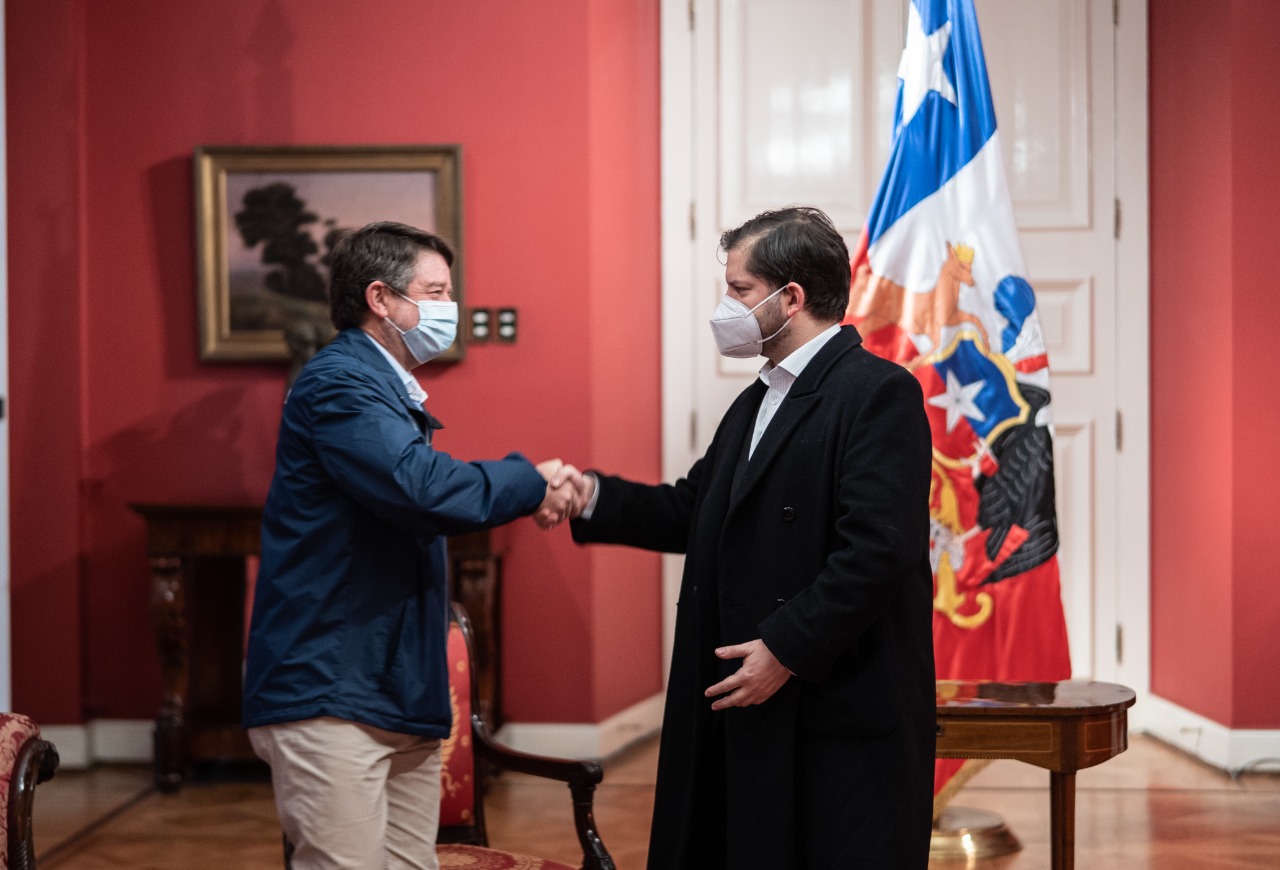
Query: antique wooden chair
(25, 760)
(463, 840)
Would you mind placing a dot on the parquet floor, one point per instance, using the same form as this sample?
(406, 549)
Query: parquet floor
(1151, 807)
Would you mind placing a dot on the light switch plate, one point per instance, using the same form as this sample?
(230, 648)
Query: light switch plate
(481, 329)
(506, 328)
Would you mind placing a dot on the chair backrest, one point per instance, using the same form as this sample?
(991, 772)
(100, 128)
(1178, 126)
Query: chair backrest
(461, 786)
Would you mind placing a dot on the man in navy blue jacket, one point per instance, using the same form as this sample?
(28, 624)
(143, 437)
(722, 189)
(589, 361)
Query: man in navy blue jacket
(346, 689)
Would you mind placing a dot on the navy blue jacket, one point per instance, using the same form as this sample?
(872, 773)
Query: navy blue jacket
(351, 605)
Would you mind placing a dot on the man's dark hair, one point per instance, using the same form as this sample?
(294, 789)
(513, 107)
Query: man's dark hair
(797, 244)
(384, 251)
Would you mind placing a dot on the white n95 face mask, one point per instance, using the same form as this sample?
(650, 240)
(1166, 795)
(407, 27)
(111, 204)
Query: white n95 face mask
(437, 328)
(736, 330)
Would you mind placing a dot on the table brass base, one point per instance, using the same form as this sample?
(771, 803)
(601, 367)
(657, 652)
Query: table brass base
(967, 834)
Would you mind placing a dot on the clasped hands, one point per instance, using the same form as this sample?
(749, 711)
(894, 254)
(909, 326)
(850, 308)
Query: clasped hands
(568, 492)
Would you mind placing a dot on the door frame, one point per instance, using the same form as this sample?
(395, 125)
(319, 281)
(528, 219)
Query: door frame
(677, 195)
(1131, 664)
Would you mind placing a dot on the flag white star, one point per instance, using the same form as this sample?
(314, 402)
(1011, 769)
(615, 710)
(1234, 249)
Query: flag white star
(921, 66)
(957, 401)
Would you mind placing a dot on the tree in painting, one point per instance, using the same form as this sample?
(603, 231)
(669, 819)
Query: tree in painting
(274, 215)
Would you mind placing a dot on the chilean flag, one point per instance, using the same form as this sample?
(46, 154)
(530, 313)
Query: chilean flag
(939, 286)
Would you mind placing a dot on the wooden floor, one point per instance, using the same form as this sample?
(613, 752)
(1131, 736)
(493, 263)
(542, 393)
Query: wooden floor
(1151, 807)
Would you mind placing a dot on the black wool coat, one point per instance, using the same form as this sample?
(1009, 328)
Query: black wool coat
(819, 546)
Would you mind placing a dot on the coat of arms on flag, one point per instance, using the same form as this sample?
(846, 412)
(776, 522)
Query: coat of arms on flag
(940, 287)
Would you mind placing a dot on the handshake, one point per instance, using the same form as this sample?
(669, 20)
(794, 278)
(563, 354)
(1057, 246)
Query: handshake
(568, 492)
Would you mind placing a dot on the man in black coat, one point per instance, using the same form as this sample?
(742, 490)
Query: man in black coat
(799, 724)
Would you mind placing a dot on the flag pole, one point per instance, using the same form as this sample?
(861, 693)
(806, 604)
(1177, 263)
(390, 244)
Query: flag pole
(940, 287)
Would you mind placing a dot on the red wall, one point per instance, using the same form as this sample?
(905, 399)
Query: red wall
(1255, 184)
(45, 396)
(1215, 357)
(555, 106)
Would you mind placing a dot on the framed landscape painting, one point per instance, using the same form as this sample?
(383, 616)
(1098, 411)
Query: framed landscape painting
(267, 218)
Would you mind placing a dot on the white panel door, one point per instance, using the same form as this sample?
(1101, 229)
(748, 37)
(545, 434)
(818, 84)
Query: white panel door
(1051, 65)
(792, 103)
(794, 107)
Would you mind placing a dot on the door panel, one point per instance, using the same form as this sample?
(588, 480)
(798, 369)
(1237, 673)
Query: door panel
(1038, 63)
(797, 108)
(792, 102)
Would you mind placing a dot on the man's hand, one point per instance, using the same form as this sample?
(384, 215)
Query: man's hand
(755, 682)
(563, 499)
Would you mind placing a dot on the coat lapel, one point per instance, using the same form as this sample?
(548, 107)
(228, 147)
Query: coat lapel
(358, 345)
(802, 400)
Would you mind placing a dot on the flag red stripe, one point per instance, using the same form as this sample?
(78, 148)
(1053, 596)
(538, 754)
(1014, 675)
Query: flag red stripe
(1032, 363)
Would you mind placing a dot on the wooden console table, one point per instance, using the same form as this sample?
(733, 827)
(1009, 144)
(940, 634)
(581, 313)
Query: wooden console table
(197, 555)
(1062, 727)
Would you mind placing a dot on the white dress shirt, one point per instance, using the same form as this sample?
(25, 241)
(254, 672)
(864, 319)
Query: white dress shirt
(411, 384)
(779, 379)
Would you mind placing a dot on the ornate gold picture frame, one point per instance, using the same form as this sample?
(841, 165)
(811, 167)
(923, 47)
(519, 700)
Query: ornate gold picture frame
(266, 218)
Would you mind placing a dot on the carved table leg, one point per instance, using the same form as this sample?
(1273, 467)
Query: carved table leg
(170, 630)
(1062, 813)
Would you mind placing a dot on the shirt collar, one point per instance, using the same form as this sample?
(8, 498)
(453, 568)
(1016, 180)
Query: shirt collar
(795, 362)
(416, 393)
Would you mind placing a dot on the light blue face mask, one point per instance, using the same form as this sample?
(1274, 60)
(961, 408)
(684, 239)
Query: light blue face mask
(437, 328)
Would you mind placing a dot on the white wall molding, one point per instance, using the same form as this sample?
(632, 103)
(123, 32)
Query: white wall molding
(574, 740)
(129, 741)
(1132, 606)
(72, 743)
(110, 741)
(122, 741)
(1229, 749)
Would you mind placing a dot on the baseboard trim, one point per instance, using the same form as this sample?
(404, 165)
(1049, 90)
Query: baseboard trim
(122, 741)
(72, 743)
(575, 740)
(1230, 749)
(129, 741)
(112, 741)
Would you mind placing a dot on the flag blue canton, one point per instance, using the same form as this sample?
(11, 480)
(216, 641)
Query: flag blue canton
(941, 137)
(994, 399)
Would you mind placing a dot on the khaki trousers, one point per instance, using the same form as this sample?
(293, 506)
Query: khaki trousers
(352, 796)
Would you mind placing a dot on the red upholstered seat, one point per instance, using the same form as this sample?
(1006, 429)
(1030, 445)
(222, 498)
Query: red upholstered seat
(25, 760)
(15, 731)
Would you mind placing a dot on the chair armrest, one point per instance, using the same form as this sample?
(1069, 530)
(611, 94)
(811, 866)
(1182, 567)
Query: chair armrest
(36, 762)
(568, 770)
(582, 776)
